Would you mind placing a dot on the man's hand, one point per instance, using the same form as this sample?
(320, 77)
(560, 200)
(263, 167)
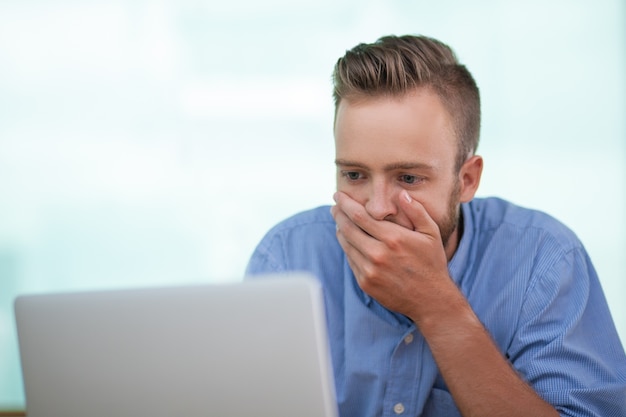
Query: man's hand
(403, 268)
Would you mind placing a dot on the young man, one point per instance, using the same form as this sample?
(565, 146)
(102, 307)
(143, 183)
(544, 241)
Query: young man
(440, 304)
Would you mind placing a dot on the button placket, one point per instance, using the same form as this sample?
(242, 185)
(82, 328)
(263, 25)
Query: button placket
(404, 372)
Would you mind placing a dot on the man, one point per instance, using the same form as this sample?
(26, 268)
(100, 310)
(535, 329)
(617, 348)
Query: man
(440, 304)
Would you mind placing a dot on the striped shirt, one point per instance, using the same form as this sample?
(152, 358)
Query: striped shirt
(527, 277)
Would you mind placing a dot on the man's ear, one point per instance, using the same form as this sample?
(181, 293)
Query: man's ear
(469, 178)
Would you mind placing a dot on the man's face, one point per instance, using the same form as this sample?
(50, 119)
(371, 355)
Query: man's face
(384, 145)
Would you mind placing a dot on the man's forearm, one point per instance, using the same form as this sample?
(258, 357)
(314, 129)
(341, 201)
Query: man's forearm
(480, 379)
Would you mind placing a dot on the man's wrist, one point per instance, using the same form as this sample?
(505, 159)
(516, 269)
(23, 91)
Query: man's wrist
(446, 311)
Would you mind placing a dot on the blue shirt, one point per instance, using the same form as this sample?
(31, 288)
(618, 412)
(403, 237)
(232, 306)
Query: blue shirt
(528, 279)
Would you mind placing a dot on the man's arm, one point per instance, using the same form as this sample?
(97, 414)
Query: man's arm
(480, 379)
(406, 271)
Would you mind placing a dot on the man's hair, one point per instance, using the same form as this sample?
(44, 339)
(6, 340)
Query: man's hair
(396, 65)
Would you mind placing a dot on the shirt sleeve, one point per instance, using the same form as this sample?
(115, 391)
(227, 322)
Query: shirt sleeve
(305, 242)
(267, 258)
(566, 345)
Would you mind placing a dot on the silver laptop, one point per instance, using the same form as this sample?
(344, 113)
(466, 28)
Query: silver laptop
(255, 348)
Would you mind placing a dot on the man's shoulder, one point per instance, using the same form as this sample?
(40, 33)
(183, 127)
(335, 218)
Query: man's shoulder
(316, 217)
(305, 241)
(492, 213)
(311, 225)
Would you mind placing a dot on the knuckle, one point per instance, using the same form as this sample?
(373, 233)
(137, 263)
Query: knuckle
(358, 217)
(368, 280)
(368, 272)
(378, 259)
(394, 243)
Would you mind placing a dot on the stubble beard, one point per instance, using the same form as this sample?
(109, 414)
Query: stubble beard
(451, 222)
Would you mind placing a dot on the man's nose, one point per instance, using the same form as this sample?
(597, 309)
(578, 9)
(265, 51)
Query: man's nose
(381, 203)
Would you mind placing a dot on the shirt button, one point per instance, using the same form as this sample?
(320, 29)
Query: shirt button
(408, 339)
(398, 408)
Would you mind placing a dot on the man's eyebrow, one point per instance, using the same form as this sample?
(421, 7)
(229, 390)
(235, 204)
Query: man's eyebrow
(409, 165)
(389, 167)
(347, 163)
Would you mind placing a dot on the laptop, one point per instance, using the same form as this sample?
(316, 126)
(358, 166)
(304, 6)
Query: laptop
(253, 348)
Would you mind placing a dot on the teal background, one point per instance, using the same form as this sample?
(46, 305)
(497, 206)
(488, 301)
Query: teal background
(155, 142)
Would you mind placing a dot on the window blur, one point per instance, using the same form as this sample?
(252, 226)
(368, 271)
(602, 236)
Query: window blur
(155, 142)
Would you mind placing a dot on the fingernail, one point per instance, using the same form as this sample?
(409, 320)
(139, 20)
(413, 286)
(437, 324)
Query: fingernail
(406, 196)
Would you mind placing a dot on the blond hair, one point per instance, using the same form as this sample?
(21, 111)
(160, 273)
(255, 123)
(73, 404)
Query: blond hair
(395, 65)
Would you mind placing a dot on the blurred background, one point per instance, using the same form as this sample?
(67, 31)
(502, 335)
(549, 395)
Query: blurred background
(155, 142)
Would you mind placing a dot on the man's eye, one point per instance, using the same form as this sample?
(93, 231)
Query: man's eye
(352, 175)
(409, 179)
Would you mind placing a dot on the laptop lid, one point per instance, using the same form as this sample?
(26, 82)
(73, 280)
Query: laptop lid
(254, 348)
